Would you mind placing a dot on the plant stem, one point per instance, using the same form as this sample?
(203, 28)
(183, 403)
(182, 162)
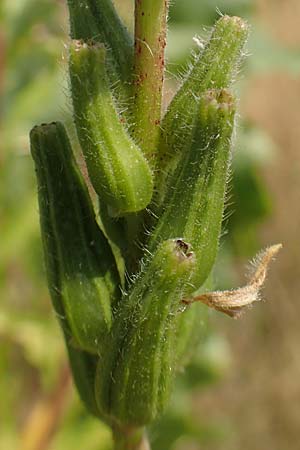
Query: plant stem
(130, 439)
(149, 65)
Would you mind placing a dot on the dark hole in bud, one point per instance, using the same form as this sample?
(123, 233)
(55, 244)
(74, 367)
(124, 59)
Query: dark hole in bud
(183, 246)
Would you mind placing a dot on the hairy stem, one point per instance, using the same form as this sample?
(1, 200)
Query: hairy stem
(149, 65)
(130, 439)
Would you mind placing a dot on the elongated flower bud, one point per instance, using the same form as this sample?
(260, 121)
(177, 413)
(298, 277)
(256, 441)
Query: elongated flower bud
(117, 168)
(82, 276)
(214, 68)
(195, 200)
(134, 376)
(99, 21)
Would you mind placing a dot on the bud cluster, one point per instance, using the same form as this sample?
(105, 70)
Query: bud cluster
(123, 278)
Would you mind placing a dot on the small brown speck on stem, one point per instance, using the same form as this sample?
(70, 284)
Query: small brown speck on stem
(149, 67)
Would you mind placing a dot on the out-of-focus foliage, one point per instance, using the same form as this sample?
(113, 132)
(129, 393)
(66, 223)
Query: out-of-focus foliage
(32, 38)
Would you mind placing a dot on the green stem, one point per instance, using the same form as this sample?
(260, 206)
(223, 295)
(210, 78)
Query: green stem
(149, 65)
(130, 439)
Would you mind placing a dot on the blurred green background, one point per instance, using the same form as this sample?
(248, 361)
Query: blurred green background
(243, 387)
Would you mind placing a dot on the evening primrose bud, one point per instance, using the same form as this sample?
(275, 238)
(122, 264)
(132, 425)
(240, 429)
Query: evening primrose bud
(194, 202)
(117, 168)
(82, 276)
(98, 20)
(135, 373)
(214, 67)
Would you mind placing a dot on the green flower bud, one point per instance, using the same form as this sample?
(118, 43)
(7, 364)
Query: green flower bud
(135, 373)
(99, 21)
(82, 276)
(194, 202)
(214, 68)
(117, 168)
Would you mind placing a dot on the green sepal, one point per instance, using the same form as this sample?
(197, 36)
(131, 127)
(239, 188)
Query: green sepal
(98, 20)
(119, 172)
(194, 202)
(135, 374)
(82, 275)
(215, 67)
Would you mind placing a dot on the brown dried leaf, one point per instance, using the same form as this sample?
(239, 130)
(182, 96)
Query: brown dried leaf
(233, 302)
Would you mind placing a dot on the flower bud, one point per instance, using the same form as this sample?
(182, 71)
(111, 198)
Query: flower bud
(214, 68)
(98, 20)
(117, 168)
(82, 276)
(135, 373)
(194, 202)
